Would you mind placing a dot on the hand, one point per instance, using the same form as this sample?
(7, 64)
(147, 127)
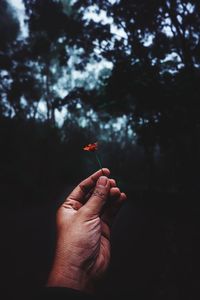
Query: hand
(83, 233)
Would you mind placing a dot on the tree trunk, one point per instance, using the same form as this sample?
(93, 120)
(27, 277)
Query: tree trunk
(49, 100)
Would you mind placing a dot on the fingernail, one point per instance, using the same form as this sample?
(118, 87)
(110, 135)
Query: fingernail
(102, 181)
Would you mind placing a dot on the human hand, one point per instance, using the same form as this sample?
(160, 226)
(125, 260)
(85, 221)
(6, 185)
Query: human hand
(83, 233)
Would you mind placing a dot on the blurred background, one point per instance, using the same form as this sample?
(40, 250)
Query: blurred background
(125, 74)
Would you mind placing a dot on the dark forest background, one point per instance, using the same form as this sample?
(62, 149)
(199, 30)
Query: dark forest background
(143, 107)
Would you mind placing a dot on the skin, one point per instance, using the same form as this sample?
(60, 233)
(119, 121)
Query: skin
(84, 221)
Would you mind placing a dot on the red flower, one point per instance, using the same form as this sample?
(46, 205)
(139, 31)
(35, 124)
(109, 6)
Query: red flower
(91, 147)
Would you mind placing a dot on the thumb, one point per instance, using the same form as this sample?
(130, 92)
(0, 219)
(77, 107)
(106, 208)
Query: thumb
(98, 198)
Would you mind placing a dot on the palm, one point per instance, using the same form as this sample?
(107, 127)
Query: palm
(103, 255)
(94, 239)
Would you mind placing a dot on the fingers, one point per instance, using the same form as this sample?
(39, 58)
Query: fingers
(95, 191)
(114, 193)
(98, 198)
(112, 184)
(116, 200)
(80, 192)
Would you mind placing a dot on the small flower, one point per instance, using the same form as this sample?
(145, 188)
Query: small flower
(91, 147)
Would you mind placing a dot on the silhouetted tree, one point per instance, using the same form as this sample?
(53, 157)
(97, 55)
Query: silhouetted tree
(9, 29)
(155, 71)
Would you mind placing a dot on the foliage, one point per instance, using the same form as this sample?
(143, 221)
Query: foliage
(153, 47)
(124, 73)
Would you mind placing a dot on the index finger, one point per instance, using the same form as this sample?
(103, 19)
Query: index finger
(86, 185)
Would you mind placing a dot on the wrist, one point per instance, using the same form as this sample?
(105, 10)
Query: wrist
(70, 277)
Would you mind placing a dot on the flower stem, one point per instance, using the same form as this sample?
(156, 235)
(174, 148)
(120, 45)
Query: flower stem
(99, 161)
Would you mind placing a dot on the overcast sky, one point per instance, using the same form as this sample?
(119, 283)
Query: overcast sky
(19, 9)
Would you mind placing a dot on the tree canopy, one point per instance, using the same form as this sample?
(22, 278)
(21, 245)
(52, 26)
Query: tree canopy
(97, 61)
(124, 73)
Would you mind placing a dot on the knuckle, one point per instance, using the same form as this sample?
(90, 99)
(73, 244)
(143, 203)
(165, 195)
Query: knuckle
(93, 179)
(99, 193)
(71, 203)
(83, 187)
